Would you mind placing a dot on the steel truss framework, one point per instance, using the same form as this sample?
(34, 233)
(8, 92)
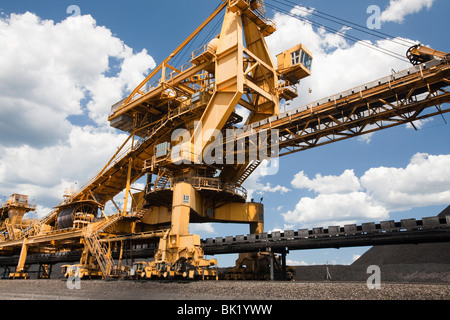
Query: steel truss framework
(403, 100)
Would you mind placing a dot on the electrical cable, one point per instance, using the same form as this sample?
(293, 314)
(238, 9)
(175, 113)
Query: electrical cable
(342, 34)
(180, 56)
(361, 28)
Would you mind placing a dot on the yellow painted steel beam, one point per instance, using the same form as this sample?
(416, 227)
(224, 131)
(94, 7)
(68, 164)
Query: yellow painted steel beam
(57, 236)
(23, 255)
(248, 212)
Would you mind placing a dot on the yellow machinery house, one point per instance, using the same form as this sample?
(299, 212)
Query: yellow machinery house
(295, 64)
(292, 66)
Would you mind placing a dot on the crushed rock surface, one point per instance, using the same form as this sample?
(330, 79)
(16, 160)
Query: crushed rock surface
(217, 290)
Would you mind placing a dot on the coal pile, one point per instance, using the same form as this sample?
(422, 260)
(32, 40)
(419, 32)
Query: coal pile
(436, 253)
(401, 273)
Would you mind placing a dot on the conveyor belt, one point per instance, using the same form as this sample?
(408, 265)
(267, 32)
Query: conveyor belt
(406, 231)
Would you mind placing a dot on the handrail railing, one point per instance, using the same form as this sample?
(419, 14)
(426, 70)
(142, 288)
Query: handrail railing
(206, 183)
(360, 89)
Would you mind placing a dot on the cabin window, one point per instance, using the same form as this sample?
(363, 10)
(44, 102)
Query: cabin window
(295, 57)
(306, 60)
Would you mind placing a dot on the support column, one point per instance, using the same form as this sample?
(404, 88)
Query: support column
(272, 276)
(253, 257)
(21, 264)
(256, 227)
(183, 195)
(45, 271)
(127, 189)
(283, 264)
(180, 253)
(23, 255)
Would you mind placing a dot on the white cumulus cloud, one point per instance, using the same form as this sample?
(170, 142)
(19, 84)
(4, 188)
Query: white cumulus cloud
(202, 228)
(301, 11)
(424, 181)
(399, 9)
(47, 70)
(380, 191)
(347, 182)
(45, 173)
(335, 209)
(50, 73)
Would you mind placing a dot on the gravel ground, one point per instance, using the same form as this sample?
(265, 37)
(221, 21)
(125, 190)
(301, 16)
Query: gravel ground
(217, 290)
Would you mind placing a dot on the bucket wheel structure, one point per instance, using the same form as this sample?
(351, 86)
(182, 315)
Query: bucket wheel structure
(196, 151)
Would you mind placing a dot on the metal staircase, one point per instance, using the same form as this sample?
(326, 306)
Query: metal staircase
(162, 180)
(103, 257)
(248, 171)
(105, 223)
(95, 247)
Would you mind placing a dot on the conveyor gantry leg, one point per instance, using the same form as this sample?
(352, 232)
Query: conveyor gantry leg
(20, 269)
(45, 271)
(180, 253)
(272, 276)
(283, 265)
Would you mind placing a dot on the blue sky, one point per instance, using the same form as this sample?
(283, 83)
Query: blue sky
(65, 73)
